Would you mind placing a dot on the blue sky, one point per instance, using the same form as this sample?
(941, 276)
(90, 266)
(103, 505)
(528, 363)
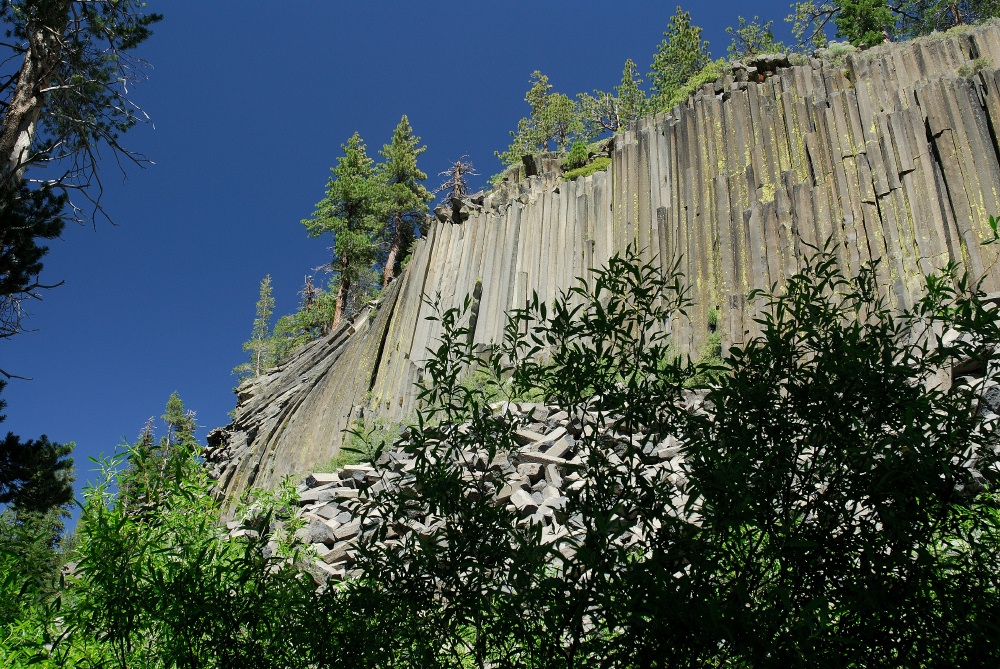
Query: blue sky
(250, 103)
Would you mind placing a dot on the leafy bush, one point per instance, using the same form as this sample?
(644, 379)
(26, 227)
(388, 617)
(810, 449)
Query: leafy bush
(165, 587)
(577, 156)
(832, 507)
(598, 165)
(752, 38)
(363, 443)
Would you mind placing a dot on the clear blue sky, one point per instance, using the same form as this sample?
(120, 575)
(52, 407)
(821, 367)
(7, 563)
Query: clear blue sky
(250, 102)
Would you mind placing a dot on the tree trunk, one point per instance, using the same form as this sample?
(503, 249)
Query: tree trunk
(956, 13)
(395, 247)
(17, 131)
(345, 286)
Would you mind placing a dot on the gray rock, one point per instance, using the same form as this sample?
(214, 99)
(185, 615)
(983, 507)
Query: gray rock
(320, 494)
(552, 476)
(989, 396)
(327, 511)
(560, 448)
(523, 502)
(315, 532)
(348, 530)
(319, 478)
(525, 436)
(532, 470)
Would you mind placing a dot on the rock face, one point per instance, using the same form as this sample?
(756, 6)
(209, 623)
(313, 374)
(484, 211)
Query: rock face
(892, 155)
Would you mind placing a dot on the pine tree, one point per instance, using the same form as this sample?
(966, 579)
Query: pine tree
(260, 345)
(180, 424)
(610, 112)
(36, 476)
(555, 119)
(310, 322)
(753, 38)
(866, 23)
(353, 211)
(151, 463)
(632, 101)
(407, 196)
(681, 54)
(560, 123)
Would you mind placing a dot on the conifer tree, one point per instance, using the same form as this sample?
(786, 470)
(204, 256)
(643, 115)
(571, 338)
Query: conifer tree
(681, 54)
(555, 120)
(353, 211)
(151, 463)
(260, 345)
(866, 23)
(456, 185)
(407, 196)
(610, 112)
(752, 38)
(311, 321)
(35, 475)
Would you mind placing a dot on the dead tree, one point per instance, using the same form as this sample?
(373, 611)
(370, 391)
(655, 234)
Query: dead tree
(455, 186)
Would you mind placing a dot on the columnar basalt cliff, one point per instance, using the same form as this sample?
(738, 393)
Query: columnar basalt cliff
(892, 154)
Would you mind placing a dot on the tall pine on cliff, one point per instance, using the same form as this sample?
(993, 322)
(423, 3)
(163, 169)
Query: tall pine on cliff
(353, 211)
(610, 112)
(681, 54)
(407, 197)
(260, 346)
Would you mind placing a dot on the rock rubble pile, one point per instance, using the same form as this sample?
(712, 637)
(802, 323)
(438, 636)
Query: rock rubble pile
(341, 508)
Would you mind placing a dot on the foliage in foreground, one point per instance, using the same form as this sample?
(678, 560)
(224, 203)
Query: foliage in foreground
(833, 508)
(831, 511)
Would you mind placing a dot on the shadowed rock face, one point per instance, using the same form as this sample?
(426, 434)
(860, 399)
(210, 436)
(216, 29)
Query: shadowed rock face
(891, 154)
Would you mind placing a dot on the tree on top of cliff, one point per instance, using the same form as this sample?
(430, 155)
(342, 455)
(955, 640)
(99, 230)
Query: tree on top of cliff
(407, 196)
(610, 112)
(456, 185)
(555, 121)
(680, 56)
(869, 22)
(353, 210)
(752, 38)
(260, 346)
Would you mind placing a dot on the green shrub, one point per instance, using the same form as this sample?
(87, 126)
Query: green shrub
(974, 67)
(598, 165)
(710, 364)
(577, 156)
(837, 52)
(363, 443)
(706, 75)
(827, 513)
(164, 586)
